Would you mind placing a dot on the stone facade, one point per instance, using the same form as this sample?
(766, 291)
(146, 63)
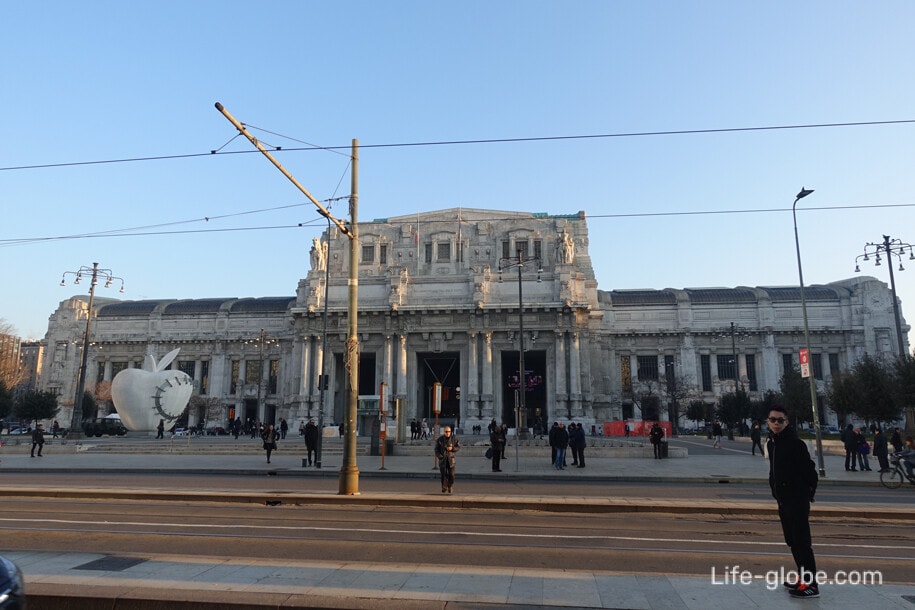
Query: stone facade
(438, 302)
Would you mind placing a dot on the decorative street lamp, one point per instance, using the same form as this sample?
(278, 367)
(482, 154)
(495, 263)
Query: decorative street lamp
(520, 262)
(889, 248)
(261, 340)
(813, 390)
(736, 333)
(76, 421)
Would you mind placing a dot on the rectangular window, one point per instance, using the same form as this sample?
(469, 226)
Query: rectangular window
(787, 363)
(506, 249)
(368, 253)
(626, 373)
(648, 367)
(522, 248)
(538, 251)
(669, 373)
(252, 371)
(705, 362)
(273, 377)
(204, 376)
(428, 253)
(460, 252)
(443, 251)
(117, 367)
(233, 387)
(186, 366)
(100, 375)
(751, 372)
(726, 368)
(833, 364)
(817, 362)
(383, 254)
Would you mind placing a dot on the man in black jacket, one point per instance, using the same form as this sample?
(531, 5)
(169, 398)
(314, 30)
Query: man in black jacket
(793, 479)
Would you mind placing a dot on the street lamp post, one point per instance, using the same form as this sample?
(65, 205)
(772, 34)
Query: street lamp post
(813, 390)
(890, 248)
(76, 421)
(262, 341)
(323, 375)
(519, 262)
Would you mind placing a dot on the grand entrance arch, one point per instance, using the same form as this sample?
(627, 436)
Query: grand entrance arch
(444, 368)
(535, 386)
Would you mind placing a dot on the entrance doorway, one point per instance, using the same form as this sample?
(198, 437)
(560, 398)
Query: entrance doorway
(444, 368)
(535, 390)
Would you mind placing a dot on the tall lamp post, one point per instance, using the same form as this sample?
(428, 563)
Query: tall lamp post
(889, 248)
(734, 332)
(519, 262)
(323, 376)
(262, 340)
(813, 390)
(94, 273)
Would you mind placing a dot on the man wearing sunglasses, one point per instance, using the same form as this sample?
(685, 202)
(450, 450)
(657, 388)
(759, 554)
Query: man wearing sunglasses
(793, 479)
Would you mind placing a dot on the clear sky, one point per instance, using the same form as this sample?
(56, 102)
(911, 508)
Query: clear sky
(97, 81)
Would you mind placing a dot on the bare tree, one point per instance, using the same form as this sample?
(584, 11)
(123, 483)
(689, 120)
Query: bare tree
(10, 372)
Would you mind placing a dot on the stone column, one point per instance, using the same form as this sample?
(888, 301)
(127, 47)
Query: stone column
(386, 374)
(562, 392)
(487, 396)
(306, 380)
(575, 375)
(473, 388)
(401, 389)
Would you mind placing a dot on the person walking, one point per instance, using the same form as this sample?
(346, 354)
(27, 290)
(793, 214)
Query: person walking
(446, 447)
(424, 426)
(37, 439)
(269, 437)
(793, 481)
(561, 439)
(656, 435)
(716, 432)
(414, 429)
(756, 437)
(311, 440)
(160, 429)
(851, 448)
(881, 450)
(284, 428)
(497, 442)
(862, 448)
(55, 429)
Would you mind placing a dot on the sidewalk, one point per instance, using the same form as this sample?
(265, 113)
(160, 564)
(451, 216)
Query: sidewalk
(88, 580)
(56, 580)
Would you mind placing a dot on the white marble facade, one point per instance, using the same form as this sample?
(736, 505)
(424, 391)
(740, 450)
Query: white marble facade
(433, 306)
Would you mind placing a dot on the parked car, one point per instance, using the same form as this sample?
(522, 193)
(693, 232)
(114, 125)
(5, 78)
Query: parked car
(111, 426)
(12, 586)
(831, 430)
(179, 432)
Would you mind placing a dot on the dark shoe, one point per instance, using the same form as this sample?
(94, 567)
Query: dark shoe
(444, 490)
(791, 586)
(581, 465)
(803, 590)
(449, 490)
(497, 470)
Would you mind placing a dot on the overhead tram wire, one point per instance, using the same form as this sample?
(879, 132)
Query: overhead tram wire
(409, 220)
(218, 152)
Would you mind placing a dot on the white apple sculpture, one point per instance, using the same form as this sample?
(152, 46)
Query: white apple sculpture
(144, 396)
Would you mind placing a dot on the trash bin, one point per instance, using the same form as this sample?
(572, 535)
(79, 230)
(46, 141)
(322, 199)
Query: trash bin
(664, 446)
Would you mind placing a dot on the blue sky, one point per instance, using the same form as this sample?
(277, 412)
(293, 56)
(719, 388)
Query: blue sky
(112, 80)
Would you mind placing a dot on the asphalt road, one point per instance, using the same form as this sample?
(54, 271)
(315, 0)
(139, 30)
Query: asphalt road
(657, 543)
(826, 495)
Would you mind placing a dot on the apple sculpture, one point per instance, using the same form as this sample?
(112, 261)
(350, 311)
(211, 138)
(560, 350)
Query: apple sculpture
(144, 396)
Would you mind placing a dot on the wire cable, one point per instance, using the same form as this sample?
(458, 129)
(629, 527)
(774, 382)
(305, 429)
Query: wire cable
(467, 142)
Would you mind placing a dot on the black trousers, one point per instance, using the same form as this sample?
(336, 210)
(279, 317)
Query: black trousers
(755, 445)
(795, 518)
(447, 470)
(851, 455)
(496, 459)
